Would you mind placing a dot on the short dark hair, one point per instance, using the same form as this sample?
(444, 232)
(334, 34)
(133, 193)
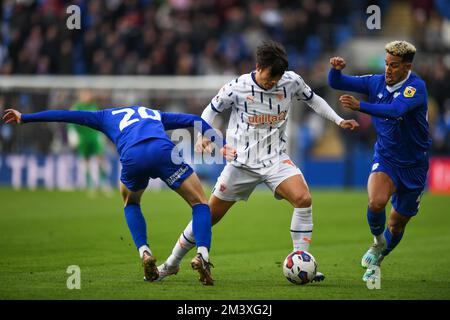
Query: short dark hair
(272, 54)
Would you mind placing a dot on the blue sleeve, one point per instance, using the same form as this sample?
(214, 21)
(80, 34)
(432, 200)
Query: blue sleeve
(172, 121)
(91, 119)
(397, 108)
(338, 81)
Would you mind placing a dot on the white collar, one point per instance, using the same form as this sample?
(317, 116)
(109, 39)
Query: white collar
(397, 85)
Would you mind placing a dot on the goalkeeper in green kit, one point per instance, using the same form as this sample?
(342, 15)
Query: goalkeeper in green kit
(90, 147)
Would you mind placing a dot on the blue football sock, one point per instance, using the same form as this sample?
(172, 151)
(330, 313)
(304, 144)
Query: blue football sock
(136, 224)
(376, 221)
(201, 225)
(391, 241)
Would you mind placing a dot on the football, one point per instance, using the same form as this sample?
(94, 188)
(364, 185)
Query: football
(299, 267)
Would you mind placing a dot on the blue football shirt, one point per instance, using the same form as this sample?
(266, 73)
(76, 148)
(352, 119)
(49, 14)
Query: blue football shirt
(399, 114)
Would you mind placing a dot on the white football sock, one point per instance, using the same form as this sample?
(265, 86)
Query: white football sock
(379, 240)
(184, 244)
(144, 248)
(301, 228)
(204, 252)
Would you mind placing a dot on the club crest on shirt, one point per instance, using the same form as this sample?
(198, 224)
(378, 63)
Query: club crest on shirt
(409, 92)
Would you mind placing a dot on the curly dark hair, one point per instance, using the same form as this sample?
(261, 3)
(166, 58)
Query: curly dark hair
(272, 54)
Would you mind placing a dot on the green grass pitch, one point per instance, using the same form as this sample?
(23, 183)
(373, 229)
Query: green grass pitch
(43, 232)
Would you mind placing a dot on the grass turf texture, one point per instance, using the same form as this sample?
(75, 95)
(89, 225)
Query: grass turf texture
(42, 233)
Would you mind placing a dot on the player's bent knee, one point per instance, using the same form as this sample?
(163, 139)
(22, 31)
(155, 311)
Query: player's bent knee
(396, 227)
(302, 200)
(130, 200)
(192, 191)
(131, 197)
(377, 204)
(196, 197)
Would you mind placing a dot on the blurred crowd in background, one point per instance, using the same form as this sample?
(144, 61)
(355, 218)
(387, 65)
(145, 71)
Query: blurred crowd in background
(207, 37)
(178, 37)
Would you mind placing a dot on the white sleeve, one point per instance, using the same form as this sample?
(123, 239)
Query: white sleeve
(301, 90)
(317, 103)
(208, 115)
(216, 106)
(224, 99)
(321, 107)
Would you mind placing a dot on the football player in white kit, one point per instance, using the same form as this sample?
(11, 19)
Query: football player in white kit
(260, 103)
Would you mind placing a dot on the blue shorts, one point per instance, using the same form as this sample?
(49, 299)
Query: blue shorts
(410, 184)
(153, 158)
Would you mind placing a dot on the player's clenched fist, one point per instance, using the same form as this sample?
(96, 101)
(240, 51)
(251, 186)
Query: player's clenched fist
(203, 144)
(338, 63)
(11, 116)
(349, 124)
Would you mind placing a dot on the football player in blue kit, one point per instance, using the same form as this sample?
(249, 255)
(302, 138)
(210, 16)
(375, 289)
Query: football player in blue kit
(397, 102)
(147, 152)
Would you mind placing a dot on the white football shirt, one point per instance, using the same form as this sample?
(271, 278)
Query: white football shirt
(258, 121)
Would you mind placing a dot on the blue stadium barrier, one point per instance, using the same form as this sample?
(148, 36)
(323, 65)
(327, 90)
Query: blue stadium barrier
(65, 172)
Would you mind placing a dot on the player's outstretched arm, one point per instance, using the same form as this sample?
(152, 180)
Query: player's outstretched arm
(395, 109)
(173, 120)
(321, 107)
(86, 118)
(180, 120)
(338, 81)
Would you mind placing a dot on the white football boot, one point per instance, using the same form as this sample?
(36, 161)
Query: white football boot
(373, 254)
(372, 273)
(166, 270)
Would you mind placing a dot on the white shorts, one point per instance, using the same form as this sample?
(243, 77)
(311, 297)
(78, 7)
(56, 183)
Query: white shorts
(237, 183)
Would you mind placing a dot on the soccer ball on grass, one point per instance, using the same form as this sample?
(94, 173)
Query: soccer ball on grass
(300, 267)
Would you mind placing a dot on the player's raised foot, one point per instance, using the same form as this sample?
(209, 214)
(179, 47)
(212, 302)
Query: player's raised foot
(318, 277)
(203, 268)
(166, 270)
(372, 255)
(150, 270)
